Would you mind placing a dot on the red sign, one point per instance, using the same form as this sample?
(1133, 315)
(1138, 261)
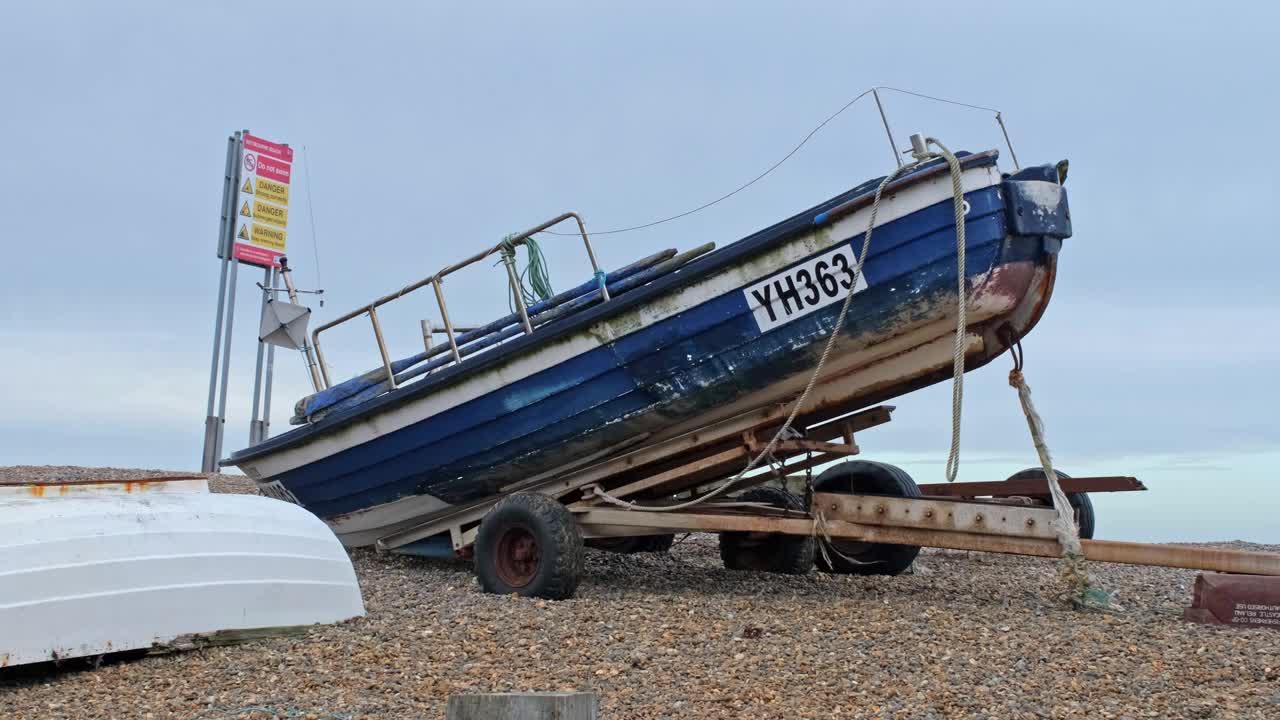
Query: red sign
(261, 209)
(266, 147)
(255, 255)
(272, 170)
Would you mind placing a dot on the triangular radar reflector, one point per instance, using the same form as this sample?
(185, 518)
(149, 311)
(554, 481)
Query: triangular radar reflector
(284, 324)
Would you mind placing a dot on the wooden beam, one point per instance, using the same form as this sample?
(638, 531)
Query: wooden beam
(706, 467)
(818, 446)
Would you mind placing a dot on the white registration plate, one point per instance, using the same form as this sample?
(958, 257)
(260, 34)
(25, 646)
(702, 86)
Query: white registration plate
(813, 284)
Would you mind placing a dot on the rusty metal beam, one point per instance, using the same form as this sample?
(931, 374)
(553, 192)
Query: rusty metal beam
(937, 515)
(1179, 556)
(1032, 487)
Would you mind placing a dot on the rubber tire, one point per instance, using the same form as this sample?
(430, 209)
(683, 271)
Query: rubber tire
(633, 544)
(864, 477)
(774, 553)
(1086, 519)
(559, 543)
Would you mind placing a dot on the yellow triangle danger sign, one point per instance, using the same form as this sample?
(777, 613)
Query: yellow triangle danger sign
(248, 187)
(244, 232)
(244, 209)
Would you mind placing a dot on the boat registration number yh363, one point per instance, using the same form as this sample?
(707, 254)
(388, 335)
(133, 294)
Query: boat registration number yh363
(813, 284)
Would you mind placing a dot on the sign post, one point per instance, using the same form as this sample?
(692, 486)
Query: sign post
(253, 230)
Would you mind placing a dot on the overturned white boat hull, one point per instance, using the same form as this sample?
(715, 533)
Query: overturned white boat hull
(94, 568)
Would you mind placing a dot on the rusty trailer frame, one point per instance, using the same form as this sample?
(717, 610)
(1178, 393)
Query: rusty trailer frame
(997, 517)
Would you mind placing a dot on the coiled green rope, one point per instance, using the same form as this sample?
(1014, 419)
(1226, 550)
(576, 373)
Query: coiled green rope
(535, 282)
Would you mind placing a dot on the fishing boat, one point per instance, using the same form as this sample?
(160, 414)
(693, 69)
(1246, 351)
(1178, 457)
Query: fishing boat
(669, 344)
(90, 568)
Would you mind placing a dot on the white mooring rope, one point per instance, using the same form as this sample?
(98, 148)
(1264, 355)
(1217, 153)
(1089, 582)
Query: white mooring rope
(1075, 570)
(957, 358)
(599, 492)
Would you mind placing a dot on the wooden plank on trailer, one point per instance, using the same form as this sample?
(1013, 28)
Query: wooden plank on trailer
(718, 432)
(725, 431)
(695, 521)
(1032, 487)
(708, 466)
(807, 446)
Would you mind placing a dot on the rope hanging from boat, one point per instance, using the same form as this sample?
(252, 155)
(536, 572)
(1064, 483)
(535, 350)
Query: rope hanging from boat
(825, 544)
(957, 361)
(535, 282)
(1075, 571)
(783, 431)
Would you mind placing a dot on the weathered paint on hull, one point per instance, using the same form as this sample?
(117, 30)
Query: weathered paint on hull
(698, 364)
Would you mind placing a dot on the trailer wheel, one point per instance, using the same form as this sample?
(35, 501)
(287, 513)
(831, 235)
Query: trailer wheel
(1080, 502)
(633, 543)
(863, 477)
(529, 545)
(768, 552)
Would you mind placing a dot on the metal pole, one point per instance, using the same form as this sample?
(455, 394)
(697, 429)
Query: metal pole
(591, 255)
(444, 313)
(893, 146)
(254, 426)
(382, 346)
(426, 334)
(265, 431)
(226, 229)
(226, 361)
(317, 383)
(1012, 154)
(517, 292)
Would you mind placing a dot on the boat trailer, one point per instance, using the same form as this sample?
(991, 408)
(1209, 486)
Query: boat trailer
(630, 494)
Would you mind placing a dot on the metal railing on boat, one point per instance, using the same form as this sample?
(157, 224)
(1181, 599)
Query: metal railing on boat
(436, 282)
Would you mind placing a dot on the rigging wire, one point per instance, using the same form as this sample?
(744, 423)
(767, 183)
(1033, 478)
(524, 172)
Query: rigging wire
(311, 212)
(937, 99)
(740, 188)
(784, 159)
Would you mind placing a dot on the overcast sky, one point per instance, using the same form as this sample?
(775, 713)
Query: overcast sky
(433, 129)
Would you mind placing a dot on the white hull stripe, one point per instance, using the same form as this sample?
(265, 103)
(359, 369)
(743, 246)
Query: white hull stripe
(362, 430)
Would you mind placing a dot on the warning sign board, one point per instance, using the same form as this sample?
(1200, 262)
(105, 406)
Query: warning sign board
(262, 202)
(267, 237)
(268, 213)
(273, 191)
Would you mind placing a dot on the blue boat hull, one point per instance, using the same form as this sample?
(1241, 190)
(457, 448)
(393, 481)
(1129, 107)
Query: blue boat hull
(717, 354)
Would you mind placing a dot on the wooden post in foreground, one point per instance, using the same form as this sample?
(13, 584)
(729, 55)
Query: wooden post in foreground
(523, 706)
